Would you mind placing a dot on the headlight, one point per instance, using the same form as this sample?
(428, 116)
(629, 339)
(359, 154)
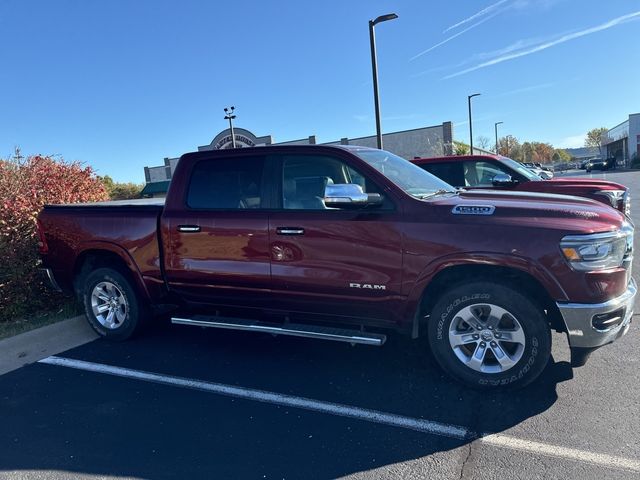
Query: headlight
(618, 199)
(599, 251)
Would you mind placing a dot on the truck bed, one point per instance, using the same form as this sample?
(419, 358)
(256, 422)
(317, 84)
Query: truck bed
(127, 228)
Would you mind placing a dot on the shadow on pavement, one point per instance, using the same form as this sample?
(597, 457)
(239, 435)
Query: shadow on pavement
(63, 419)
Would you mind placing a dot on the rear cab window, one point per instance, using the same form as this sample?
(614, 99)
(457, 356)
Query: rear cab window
(235, 183)
(450, 172)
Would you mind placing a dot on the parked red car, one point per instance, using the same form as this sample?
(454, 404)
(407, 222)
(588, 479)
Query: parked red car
(498, 172)
(344, 243)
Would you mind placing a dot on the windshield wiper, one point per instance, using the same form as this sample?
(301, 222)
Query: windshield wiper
(436, 193)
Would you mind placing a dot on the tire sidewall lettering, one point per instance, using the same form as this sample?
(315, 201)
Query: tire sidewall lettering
(530, 316)
(454, 305)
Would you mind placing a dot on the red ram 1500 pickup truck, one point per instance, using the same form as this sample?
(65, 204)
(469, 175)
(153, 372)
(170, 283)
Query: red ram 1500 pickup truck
(498, 172)
(343, 243)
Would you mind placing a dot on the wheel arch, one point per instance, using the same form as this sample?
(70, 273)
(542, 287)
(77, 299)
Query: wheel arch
(453, 275)
(110, 256)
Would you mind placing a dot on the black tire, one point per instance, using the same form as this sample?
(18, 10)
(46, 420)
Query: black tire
(129, 320)
(529, 357)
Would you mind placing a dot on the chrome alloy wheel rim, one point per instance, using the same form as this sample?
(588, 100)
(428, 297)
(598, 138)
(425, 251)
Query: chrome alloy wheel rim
(487, 338)
(109, 305)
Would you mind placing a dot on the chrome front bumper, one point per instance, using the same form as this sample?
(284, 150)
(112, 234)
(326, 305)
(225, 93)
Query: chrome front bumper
(579, 319)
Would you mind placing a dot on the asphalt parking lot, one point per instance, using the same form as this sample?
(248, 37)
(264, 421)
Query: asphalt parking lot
(185, 402)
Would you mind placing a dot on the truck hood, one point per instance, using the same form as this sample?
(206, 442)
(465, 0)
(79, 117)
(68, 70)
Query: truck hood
(571, 186)
(540, 210)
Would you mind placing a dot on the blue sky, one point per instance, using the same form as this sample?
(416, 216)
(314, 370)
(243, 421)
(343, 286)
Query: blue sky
(122, 84)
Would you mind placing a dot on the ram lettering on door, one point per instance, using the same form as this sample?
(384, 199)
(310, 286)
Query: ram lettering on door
(367, 286)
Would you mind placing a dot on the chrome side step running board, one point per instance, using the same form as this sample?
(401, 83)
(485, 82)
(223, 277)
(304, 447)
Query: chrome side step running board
(292, 329)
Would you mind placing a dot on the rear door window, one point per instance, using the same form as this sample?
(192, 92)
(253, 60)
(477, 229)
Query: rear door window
(227, 184)
(450, 172)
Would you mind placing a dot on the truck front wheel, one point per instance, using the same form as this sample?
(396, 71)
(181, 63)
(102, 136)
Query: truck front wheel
(487, 335)
(111, 304)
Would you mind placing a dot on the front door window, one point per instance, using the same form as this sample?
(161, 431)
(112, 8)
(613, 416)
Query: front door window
(305, 177)
(481, 174)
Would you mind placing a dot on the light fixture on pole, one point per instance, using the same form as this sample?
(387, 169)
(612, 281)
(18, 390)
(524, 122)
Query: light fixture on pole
(469, 97)
(496, 127)
(374, 67)
(230, 116)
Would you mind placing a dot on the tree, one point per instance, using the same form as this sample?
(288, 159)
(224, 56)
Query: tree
(594, 138)
(26, 185)
(537, 152)
(121, 190)
(560, 155)
(509, 146)
(460, 148)
(483, 142)
(527, 152)
(542, 152)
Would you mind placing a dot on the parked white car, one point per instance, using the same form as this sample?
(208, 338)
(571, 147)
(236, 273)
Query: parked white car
(544, 174)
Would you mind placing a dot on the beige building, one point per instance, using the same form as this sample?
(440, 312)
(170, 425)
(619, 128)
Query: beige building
(434, 141)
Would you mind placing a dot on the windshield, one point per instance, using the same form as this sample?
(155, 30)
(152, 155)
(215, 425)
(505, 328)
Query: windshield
(409, 177)
(521, 169)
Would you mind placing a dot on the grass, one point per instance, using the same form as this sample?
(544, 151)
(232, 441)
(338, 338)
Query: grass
(67, 309)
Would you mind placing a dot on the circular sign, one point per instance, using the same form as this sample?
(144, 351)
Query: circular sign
(241, 142)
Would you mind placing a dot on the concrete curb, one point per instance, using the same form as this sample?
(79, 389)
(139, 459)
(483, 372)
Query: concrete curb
(29, 347)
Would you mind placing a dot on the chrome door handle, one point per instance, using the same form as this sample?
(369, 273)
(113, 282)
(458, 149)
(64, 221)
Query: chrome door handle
(290, 231)
(189, 228)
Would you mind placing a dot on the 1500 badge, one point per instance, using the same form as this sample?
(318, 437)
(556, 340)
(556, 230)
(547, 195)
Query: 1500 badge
(368, 286)
(473, 210)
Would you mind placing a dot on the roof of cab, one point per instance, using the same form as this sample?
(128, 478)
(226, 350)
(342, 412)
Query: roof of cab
(455, 158)
(261, 149)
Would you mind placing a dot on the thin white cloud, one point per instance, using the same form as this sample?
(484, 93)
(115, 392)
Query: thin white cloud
(573, 141)
(548, 44)
(448, 39)
(476, 15)
(530, 88)
(478, 57)
(515, 46)
(477, 119)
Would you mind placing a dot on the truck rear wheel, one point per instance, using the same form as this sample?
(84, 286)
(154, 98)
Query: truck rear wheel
(111, 304)
(487, 335)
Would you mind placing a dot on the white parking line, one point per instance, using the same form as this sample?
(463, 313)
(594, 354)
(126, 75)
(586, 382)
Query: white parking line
(425, 426)
(506, 441)
(374, 416)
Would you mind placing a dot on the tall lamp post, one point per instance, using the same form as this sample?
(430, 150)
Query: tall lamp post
(470, 122)
(496, 127)
(374, 67)
(228, 115)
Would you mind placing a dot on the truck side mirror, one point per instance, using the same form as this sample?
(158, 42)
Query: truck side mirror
(349, 195)
(502, 180)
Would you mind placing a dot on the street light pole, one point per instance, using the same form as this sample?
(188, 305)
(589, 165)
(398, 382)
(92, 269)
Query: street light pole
(496, 127)
(230, 116)
(469, 97)
(374, 68)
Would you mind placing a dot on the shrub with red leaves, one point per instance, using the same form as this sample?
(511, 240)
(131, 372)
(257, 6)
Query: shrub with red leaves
(26, 185)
